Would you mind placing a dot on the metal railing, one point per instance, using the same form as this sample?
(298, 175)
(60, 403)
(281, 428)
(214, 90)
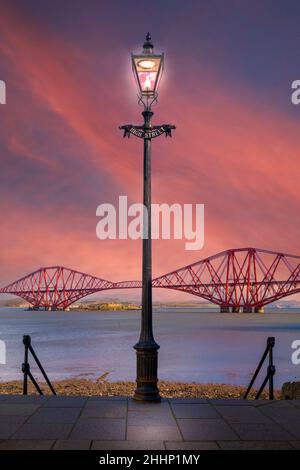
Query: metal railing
(26, 368)
(270, 372)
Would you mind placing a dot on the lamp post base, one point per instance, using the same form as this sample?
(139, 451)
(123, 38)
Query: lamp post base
(146, 381)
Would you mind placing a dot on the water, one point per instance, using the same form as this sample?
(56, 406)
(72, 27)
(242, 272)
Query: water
(195, 345)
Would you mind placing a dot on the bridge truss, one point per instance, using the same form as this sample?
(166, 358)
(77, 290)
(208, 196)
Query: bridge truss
(243, 277)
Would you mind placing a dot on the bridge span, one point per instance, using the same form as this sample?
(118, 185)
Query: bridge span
(247, 278)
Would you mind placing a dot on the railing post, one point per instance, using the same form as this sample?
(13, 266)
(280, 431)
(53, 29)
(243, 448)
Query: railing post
(271, 367)
(25, 365)
(26, 368)
(41, 369)
(256, 372)
(270, 371)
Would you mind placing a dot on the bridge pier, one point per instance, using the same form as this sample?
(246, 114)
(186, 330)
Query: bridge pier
(224, 309)
(259, 309)
(247, 309)
(236, 309)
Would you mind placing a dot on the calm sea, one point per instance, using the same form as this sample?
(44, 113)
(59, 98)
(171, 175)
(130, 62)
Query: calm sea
(195, 345)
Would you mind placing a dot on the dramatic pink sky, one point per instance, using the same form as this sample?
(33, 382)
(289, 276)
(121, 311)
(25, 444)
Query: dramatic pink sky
(226, 87)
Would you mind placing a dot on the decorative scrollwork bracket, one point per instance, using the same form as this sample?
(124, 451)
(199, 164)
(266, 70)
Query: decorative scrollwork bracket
(147, 132)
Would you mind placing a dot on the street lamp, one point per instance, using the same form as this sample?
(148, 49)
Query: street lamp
(147, 69)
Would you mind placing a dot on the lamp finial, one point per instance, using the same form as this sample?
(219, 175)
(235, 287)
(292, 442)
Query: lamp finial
(148, 45)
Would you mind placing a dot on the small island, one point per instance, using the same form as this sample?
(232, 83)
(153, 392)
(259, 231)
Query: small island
(101, 305)
(104, 306)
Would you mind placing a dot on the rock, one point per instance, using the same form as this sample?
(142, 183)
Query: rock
(290, 391)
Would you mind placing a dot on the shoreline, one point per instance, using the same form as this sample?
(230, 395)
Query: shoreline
(100, 387)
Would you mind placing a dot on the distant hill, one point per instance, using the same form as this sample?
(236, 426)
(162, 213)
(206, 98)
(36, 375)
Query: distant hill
(118, 304)
(286, 304)
(15, 302)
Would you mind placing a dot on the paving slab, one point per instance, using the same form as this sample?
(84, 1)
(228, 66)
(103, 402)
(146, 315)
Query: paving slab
(99, 429)
(276, 403)
(99, 398)
(4, 397)
(10, 424)
(12, 409)
(104, 423)
(72, 444)
(206, 430)
(293, 402)
(242, 414)
(292, 426)
(27, 399)
(109, 409)
(281, 414)
(255, 445)
(187, 400)
(64, 401)
(194, 410)
(295, 444)
(261, 432)
(128, 445)
(55, 415)
(152, 432)
(142, 418)
(192, 445)
(28, 444)
(43, 430)
(233, 401)
(153, 407)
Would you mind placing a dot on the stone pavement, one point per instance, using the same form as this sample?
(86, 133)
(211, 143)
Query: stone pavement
(103, 423)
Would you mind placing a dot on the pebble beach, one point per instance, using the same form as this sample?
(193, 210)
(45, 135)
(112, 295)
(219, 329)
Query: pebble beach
(102, 387)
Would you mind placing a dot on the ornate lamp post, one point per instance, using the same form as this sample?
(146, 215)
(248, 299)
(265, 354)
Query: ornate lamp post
(147, 68)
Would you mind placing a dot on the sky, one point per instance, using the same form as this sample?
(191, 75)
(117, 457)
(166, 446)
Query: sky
(226, 86)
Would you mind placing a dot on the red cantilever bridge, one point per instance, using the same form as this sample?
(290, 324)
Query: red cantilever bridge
(243, 277)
